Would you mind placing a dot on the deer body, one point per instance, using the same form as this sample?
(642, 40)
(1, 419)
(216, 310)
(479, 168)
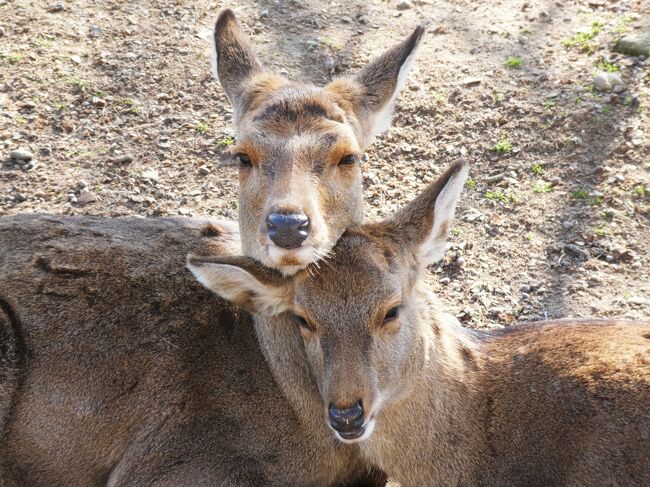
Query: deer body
(559, 403)
(553, 403)
(117, 369)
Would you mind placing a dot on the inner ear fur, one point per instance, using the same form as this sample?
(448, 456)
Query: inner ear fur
(235, 61)
(421, 227)
(370, 95)
(263, 274)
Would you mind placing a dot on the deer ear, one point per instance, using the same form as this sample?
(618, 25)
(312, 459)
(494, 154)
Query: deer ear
(371, 94)
(424, 223)
(235, 62)
(244, 282)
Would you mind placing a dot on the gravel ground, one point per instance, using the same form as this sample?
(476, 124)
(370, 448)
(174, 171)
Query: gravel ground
(116, 105)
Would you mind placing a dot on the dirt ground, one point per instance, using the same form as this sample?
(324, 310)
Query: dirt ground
(554, 221)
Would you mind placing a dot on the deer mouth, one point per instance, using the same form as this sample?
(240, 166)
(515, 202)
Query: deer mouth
(355, 435)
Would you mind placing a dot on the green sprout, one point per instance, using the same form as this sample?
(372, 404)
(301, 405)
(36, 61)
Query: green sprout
(502, 147)
(513, 63)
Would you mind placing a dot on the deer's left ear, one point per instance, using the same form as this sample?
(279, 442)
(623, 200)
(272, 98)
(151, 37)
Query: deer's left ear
(370, 95)
(244, 282)
(422, 225)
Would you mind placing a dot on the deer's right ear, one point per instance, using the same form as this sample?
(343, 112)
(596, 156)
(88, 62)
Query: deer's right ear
(235, 62)
(371, 94)
(244, 282)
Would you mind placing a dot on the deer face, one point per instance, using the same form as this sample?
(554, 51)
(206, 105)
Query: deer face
(299, 147)
(360, 313)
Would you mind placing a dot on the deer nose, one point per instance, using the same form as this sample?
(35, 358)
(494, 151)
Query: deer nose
(288, 231)
(346, 420)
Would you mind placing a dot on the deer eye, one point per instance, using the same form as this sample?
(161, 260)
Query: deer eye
(349, 159)
(303, 323)
(244, 160)
(391, 314)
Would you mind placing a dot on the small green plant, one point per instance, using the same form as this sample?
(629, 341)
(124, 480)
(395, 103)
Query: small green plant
(226, 141)
(77, 82)
(537, 169)
(549, 104)
(582, 40)
(540, 186)
(597, 201)
(101, 94)
(470, 183)
(20, 120)
(332, 43)
(602, 231)
(526, 30)
(126, 102)
(455, 232)
(513, 63)
(499, 197)
(201, 127)
(498, 98)
(607, 109)
(60, 106)
(15, 58)
(641, 191)
(502, 147)
(580, 194)
(44, 42)
(607, 66)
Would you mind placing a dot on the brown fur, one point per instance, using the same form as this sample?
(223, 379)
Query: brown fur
(117, 369)
(551, 403)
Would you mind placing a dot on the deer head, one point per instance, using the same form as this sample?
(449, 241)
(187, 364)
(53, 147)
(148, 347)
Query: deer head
(299, 146)
(361, 313)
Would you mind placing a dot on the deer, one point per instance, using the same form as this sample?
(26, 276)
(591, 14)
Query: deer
(118, 369)
(557, 402)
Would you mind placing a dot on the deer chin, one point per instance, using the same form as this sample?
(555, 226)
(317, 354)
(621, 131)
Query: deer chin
(288, 261)
(362, 434)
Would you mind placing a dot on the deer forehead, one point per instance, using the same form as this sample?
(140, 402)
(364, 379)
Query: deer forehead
(357, 279)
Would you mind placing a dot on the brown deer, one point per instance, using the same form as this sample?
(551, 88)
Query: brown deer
(539, 404)
(299, 146)
(117, 369)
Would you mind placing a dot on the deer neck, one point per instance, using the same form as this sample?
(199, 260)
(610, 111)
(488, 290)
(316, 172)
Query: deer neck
(283, 349)
(431, 434)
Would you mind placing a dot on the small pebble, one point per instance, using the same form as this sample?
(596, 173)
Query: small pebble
(123, 159)
(21, 155)
(444, 281)
(404, 5)
(95, 31)
(56, 7)
(86, 197)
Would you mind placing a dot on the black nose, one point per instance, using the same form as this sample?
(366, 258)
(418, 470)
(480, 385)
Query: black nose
(287, 231)
(348, 419)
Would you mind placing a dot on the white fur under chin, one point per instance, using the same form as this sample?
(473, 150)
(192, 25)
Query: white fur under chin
(305, 255)
(370, 428)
